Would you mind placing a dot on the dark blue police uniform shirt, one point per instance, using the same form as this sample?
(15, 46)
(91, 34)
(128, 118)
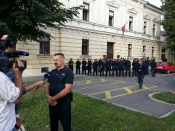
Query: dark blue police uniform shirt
(58, 79)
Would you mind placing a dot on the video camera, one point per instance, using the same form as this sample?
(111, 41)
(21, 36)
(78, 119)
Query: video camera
(5, 64)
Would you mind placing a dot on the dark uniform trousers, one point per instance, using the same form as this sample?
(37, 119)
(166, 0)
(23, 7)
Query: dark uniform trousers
(89, 70)
(127, 71)
(153, 71)
(77, 70)
(84, 70)
(121, 71)
(108, 70)
(102, 71)
(62, 112)
(95, 71)
(116, 71)
(71, 67)
(113, 70)
(134, 72)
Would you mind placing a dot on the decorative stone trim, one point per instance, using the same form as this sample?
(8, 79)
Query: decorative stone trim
(44, 56)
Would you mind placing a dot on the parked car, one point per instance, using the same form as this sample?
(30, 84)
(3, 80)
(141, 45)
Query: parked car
(166, 67)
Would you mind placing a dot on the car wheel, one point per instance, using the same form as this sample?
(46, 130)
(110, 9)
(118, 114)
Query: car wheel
(167, 72)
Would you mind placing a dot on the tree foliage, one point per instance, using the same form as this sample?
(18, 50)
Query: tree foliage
(168, 7)
(23, 19)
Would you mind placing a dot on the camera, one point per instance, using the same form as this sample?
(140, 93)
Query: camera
(5, 64)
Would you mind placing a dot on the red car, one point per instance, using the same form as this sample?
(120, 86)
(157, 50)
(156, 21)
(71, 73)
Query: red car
(166, 67)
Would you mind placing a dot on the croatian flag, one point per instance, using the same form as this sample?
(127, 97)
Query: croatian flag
(124, 28)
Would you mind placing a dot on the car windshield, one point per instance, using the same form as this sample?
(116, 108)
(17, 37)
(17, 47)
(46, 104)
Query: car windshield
(163, 63)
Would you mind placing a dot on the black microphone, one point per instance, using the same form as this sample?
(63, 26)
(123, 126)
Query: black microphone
(23, 53)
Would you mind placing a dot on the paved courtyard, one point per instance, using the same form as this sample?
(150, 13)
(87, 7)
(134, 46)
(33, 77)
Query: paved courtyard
(124, 91)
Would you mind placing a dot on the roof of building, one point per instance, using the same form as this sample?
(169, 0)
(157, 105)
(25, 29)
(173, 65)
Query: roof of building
(158, 8)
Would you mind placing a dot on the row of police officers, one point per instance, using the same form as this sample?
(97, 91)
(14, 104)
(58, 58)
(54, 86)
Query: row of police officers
(111, 67)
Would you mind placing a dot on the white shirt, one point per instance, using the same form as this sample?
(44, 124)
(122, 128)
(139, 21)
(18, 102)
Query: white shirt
(8, 94)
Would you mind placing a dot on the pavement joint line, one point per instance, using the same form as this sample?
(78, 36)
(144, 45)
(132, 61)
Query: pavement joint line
(128, 93)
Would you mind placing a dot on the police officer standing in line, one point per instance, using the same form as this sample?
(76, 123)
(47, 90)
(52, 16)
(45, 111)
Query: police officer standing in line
(117, 66)
(71, 64)
(121, 67)
(134, 67)
(127, 67)
(99, 63)
(58, 93)
(153, 66)
(78, 63)
(148, 64)
(84, 63)
(89, 66)
(102, 65)
(108, 67)
(113, 65)
(141, 68)
(95, 65)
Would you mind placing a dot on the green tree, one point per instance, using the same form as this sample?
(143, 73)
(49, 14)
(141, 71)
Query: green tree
(168, 7)
(23, 19)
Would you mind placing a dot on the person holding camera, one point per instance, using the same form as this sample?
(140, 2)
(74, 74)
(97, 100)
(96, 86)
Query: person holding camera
(58, 93)
(9, 96)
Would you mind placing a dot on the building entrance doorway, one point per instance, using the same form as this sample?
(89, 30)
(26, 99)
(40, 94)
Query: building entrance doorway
(110, 50)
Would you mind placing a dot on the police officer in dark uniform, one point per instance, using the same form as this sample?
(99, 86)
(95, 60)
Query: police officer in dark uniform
(147, 65)
(117, 65)
(108, 67)
(59, 96)
(113, 65)
(89, 66)
(134, 67)
(95, 65)
(121, 67)
(99, 62)
(71, 64)
(153, 66)
(127, 67)
(141, 68)
(102, 65)
(84, 63)
(78, 63)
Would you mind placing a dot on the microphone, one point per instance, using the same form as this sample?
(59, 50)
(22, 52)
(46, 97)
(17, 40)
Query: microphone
(23, 53)
(46, 75)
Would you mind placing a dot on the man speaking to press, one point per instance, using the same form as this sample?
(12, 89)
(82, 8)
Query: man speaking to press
(10, 94)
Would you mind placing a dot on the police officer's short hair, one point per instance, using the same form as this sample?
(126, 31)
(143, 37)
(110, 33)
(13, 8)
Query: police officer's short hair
(60, 54)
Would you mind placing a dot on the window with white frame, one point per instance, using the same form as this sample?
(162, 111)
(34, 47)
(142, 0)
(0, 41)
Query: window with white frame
(111, 18)
(129, 50)
(154, 29)
(152, 51)
(144, 27)
(86, 12)
(144, 51)
(85, 47)
(130, 23)
(44, 46)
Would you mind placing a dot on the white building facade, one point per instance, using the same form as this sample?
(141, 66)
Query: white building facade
(97, 34)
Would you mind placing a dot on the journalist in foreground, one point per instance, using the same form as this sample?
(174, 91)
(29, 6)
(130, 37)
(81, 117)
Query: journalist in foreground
(9, 96)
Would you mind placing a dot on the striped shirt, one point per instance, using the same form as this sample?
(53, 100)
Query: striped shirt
(8, 94)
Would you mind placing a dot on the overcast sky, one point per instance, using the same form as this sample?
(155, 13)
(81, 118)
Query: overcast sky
(155, 2)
